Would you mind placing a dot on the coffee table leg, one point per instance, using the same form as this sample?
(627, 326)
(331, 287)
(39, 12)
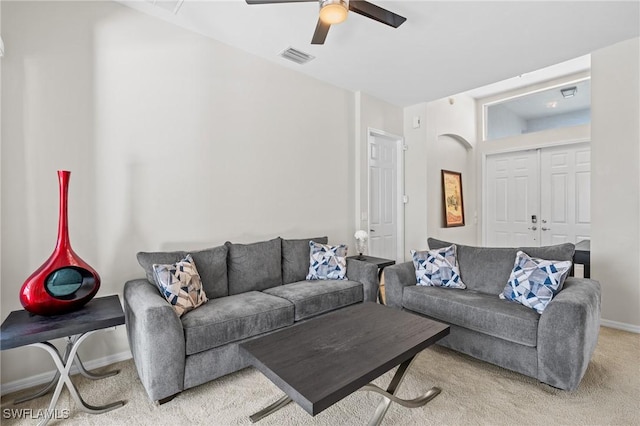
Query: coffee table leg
(270, 409)
(389, 394)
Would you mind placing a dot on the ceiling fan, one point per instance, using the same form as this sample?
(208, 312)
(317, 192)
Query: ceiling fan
(335, 12)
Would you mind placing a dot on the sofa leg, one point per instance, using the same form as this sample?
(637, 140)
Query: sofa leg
(167, 399)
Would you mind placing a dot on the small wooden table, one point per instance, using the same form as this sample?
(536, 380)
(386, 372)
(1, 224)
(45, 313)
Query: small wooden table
(321, 361)
(22, 328)
(381, 263)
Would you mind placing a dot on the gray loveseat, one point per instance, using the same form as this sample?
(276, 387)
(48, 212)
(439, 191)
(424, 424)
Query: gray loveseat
(554, 347)
(252, 289)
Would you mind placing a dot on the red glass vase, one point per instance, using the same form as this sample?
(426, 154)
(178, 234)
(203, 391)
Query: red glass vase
(64, 282)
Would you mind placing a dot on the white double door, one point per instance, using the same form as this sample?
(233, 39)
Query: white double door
(538, 197)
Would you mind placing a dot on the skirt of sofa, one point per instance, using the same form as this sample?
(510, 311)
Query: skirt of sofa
(512, 356)
(209, 365)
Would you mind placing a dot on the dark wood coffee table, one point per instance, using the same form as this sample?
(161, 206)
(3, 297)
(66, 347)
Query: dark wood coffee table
(321, 361)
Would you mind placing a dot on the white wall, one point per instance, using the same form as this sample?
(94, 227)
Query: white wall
(573, 118)
(564, 135)
(451, 141)
(445, 140)
(415, 182)
(1, 62)
(173, 140)
(502, 122)
(615, 140)
(371, 113)
(615, 182)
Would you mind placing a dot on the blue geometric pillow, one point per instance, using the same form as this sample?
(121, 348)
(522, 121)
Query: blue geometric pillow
(327, 262)
(534, 282)
(180, 284)
(437, 268)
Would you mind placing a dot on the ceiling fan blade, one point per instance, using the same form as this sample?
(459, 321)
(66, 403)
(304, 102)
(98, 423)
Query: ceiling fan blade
(321, 32)
(377, 13)
(277, 1)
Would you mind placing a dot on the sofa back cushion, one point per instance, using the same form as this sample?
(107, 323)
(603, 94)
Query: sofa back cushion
(295, 258)
(211, 264)
(558, 252)
(487, 269)
(483, 269)
(254, 266)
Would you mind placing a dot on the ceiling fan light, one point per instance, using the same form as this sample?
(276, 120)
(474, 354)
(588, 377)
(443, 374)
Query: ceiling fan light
(333, 11)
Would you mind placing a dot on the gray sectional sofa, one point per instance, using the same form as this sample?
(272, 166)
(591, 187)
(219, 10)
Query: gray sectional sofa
(554, 347)
(252, 289)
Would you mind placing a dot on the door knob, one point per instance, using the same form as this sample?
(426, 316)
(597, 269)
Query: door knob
(372, 230)
(546, 229)
(533, 228)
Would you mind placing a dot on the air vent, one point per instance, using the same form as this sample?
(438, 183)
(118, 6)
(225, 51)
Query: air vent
(297, 56)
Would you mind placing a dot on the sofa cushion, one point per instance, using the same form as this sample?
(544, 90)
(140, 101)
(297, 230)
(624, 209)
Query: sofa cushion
(316, 297)
(438, 267)
(211, 264)
(556, 252)
(476, 311)
(487, 269)
(534, 282)
(232, 318)
(483, 269)
(327, 262)
(254, 266)
(295, 258)
(180, 284)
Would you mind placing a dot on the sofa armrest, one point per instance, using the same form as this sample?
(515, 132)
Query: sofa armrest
(367, 274)
(568, 332)
(396, 278)
(156, 339)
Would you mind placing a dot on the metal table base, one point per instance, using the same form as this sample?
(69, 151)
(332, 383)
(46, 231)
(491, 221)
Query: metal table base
(383, 406)
(62, 377)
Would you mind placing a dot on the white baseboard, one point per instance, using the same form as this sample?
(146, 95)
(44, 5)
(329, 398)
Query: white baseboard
(620, 325)
(43, 378)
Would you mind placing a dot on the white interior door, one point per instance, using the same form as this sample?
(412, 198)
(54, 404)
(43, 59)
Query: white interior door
(383, 196)
(566, 194)
(538, 197)
(512, 199)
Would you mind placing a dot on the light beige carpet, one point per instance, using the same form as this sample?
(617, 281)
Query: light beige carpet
(474, 393)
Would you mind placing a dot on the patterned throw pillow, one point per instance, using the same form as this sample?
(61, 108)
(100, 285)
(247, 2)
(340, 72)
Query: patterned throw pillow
(327, 262)
(437, 268)
(534, 282)
(180, 284)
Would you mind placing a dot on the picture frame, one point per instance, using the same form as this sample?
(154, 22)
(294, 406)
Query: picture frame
(452, 201)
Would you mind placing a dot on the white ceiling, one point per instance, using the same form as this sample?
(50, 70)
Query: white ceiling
(444, 47)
